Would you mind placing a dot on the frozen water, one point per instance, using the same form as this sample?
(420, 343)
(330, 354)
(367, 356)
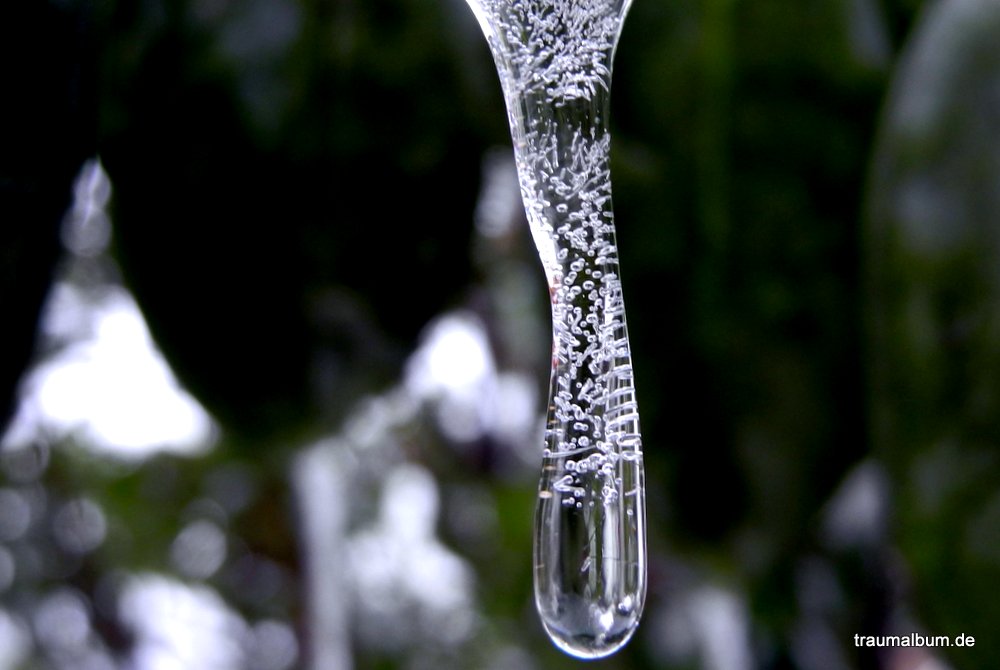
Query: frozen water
(554, 60)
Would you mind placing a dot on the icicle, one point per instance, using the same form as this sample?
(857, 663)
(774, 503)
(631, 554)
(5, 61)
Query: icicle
(554, 60)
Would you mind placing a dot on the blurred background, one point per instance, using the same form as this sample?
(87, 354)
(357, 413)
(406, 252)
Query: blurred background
(276, 340)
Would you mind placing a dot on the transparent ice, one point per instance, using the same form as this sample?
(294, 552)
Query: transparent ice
(554, 60)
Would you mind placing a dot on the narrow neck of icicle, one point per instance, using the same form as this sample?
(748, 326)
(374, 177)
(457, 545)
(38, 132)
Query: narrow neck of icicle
(563, 160)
